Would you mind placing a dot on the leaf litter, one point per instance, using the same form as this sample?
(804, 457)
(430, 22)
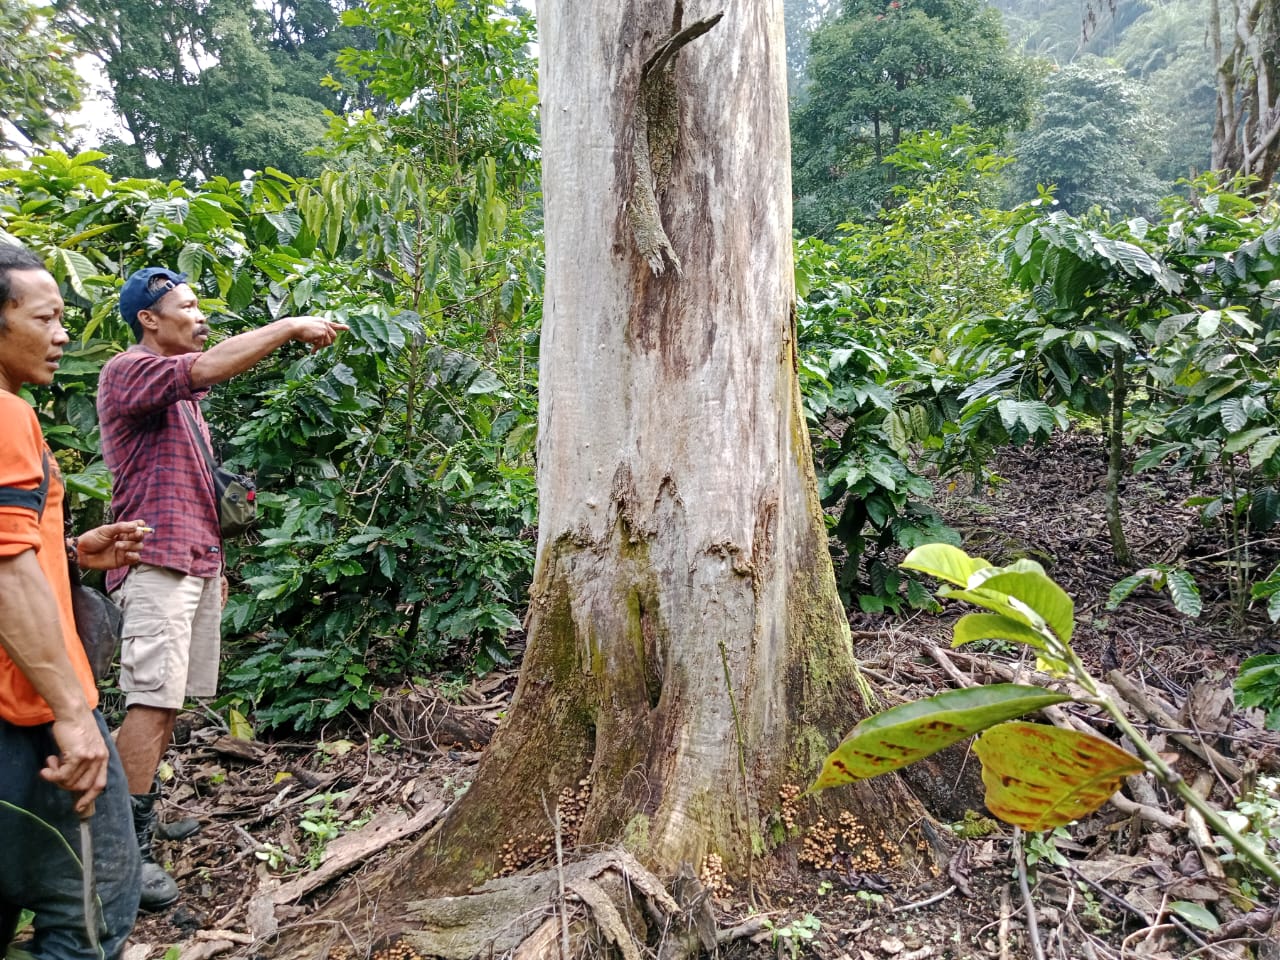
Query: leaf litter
(1143, 881)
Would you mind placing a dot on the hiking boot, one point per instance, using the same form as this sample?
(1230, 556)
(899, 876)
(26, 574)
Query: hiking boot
(177, 829)
(159, 890)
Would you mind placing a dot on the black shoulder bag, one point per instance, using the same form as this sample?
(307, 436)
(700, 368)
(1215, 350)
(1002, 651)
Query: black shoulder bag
(235, 494)
(98, 619)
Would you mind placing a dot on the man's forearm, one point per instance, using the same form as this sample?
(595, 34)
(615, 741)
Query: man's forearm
(31, 634)
(237, 354)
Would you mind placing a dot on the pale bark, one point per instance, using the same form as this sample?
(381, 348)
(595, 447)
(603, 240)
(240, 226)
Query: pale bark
(687, 652)
(1244, 38)
(669, 410)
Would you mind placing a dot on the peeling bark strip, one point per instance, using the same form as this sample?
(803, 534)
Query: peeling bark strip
(657, 127)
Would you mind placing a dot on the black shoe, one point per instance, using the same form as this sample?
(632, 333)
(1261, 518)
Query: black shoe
(159, 890)
(177, 829)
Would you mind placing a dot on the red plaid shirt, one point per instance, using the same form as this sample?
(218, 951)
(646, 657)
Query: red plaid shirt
(159, 472)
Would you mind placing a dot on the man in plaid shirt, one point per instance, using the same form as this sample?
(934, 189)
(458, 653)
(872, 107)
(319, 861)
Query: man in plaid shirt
(148, 400)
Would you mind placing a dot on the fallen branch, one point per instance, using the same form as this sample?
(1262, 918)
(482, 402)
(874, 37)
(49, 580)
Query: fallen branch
(352, 849)
(1005, 912)
(927, 902)
(216, 935)
(1149, 813)
(1198, 830)
(1132, 695)
(748, 929)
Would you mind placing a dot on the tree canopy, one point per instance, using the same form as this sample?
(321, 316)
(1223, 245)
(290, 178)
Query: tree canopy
(38, 81)
(1093, 139)
(888, 68)
(213, 87)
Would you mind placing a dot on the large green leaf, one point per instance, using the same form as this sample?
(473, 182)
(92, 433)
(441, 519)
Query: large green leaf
(902, 735)
(1041, 594)
(1261, 451)
(1121, 590)
(993, 626)
(1195, 913)
(1234, 417)
(945, 562)
(1184, 592)
(998, 603)
(1040, 777)
(1245, 439)
(74, 267)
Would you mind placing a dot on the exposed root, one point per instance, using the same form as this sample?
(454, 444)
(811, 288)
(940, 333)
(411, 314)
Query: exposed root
(609, 898)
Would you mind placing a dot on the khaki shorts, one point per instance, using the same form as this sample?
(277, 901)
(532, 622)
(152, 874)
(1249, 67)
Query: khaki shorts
(172, 636)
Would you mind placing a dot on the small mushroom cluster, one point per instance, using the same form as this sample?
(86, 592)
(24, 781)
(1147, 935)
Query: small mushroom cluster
(867, 851)
(521, 850)
(850, 840)
(819, 847)
(789, 795)
(572, 804)
(398, 950)
(713, 877)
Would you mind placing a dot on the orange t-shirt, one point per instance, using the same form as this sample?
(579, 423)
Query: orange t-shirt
(21, 449)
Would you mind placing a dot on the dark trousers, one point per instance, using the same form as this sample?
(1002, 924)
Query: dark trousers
(40, 865)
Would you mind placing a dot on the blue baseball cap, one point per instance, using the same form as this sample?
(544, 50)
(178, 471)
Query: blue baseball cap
(138, 293)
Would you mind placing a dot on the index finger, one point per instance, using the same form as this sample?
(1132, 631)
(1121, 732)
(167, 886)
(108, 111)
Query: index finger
(88, 778)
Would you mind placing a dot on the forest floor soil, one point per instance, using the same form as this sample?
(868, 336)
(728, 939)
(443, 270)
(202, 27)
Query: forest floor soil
(284, 823)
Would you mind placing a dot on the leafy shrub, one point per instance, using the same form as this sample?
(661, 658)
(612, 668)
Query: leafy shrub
(882, 394)
(1258, 685)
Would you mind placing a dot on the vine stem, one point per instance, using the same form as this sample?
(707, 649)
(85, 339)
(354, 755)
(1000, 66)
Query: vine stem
(1168, 775)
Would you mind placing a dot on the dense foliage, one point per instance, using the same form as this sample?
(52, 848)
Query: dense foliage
(1092, 139)
(38, 83)
(884, 70)
(886, 386)
(395, 471)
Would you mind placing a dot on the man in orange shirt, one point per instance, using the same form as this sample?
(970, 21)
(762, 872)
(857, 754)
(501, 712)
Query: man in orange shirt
(57, 763)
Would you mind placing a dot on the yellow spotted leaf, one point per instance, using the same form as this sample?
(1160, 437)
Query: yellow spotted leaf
(1040, 777)
(902, 735)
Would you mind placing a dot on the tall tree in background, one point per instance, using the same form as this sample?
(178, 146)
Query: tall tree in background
(1094, 139)
(207, 87)
(688, 655)
(38, 82)
(887, 68)
(1061, 30)
(1164, 52)
(1245, 39)
(802, 17)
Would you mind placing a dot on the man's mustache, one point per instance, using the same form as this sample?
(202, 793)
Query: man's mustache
(203, 330)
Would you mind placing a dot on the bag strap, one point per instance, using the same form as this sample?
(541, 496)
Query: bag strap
(200, 441)
(30, 499)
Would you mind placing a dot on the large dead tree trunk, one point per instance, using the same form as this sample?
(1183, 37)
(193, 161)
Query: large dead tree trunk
(688, 657)
(688, 653)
